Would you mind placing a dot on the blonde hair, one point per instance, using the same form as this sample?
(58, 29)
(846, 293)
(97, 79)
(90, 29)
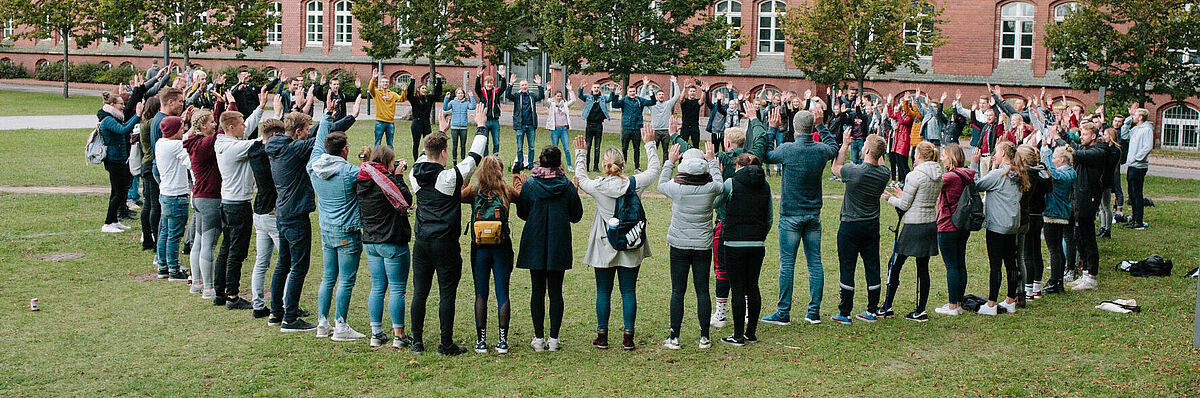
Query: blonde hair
(1111, 133)
(200, 117)
(490, 177)
(1016, 163)
(736, 136)
(228, 119)
(614, 163)
(955, 157)
(1145, 114)
(110, 97)
(927, 151)
(294, 121)
(1066, 153)
(875, 146)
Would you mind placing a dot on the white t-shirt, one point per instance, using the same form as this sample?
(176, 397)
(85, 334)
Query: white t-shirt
(173, 167)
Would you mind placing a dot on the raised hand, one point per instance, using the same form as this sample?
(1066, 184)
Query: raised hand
(807, 93)
(138, 109)
(262, 96)
(579, 142)
(957, 95)
(674, 80)
(480, 116)
(512, 77)
(710, 151)
(846, 139)
(674, 155)
(374, 73)
(537, 79)
(775, 119)
(570, 87)
(943, 98)
(312, 75)
(647, 133)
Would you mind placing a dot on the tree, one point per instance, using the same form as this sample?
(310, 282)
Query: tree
(441, 31)
(623, 37)
(839, 40)
(1133, 48)
(189, 26)
(40, 19)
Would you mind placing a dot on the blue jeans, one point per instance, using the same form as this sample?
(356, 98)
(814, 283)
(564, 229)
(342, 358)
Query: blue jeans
(793, 229)
(856, 151)
(340, 252)
(604, 287)
(560, 136)
(773, 138)
(526, 135)
(385, 129)
(493, 128)
(497, 261)
(954, 253)
(295, 237)
(133, 194)
(389, 271)
(174, 220)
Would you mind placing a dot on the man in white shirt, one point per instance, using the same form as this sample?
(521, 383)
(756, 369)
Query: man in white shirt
(237, 189)
(174, 167)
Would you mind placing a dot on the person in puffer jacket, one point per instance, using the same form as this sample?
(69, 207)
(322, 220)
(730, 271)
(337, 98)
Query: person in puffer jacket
(1057, 215)
(918, 238)
(383, 201)
(341, 228)
(1002, 219)
(692, 190)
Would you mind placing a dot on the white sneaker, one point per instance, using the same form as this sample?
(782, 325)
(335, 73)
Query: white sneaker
(323, 329)
(343, 332)
(132, 205)
(111, 229)
(1010, 307)
(1087, 282)
(705, 342)
(946, 310)
(987, 310)
(208, 294)
(195, 288)
(716, 321)
(671, 342)
(552, 344)
(1069, 277)
(123, 226)
(538, 345)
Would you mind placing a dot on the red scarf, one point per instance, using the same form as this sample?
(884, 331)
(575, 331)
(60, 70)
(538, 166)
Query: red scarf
(377, 172)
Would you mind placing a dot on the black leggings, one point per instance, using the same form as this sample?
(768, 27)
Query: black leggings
(118, 184)
(1085, 234)
(697, 262)
(1034, 266)
(922, 282)
(594, 134)
(546, 282)
(634, 137)
(1002, 251)
(419, 129)
(1055, 234)
(899, 166)
(743, 265)
(151, 211)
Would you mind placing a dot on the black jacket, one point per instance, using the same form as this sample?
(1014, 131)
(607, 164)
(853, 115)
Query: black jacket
(439, 216)
(260, 164)
(342, 96)
(549, 206)
(1114, 165)
(382, 223)
(490, 99)
(289, 161)
(1091, 162)
(749, 219)
(422, 106)
(691, 112)
(1033, 201)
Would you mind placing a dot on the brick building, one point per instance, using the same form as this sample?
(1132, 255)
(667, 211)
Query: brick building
(988, 41)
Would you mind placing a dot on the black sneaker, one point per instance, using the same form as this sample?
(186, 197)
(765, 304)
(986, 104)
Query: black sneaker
(885, 313)
(238, 304)
(450, 350)
(164, 274)
(1055, 287)
(301, 313)
(734, 341)
(273, 320)
(298, 325)
(1133, 225)
(187, 249)
(219, 300)
(915, 316)
(418, 348)
(262, 313)
(750, 338)
(177, 275)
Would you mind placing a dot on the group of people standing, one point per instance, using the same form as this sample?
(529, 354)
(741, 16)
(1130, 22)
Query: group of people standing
(216, 167)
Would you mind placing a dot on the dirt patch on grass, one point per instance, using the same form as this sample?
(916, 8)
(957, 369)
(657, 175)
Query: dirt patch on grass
(61, 256)
(151, 276)
(75, 190)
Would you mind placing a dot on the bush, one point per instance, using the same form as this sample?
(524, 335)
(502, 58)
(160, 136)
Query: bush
(9, 70)
(86, 73)
(258, 76)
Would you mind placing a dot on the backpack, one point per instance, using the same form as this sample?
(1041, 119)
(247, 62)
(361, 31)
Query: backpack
(1154, 265)
(968, 215)
(95, 150)
(488, 215)
(627, 228)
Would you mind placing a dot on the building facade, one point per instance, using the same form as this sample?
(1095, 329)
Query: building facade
(997, 42)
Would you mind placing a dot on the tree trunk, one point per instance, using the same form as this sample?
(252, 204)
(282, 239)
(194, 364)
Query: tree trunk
(1141, 95)
(66, 61)
(432, 74)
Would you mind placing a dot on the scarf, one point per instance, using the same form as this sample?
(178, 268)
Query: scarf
(548, 172)
(112, 110)
(376, 172)
(693, 179)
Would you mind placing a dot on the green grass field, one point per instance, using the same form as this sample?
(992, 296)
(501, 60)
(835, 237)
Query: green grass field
(18, 103)
(104, 330)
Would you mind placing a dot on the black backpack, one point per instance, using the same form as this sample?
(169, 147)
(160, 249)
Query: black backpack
(1155, 265)
(968, 215)
(627, 228)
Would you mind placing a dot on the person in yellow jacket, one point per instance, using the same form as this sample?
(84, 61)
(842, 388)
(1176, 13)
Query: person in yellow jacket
(385, 107)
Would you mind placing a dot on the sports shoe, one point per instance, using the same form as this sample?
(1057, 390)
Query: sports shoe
(988, 309)
(601, 340)
(553, 344)
(1053, 288)
(452, 350)
(273, 321)
(401, 342)
(123, 226)
(163, 274)
(177, 275)
(132, 205)
(502, 346)
(946, 310)
(917, 316)
(813, 319)
(867, 316)
(750, 338)
(343, 332)
(219, 301)
(538, 344)
(261, 313)
(1087, 282)
(627, 340)
(298, 325)
(1021, 302)
(844, 320)
(481, 346)
(705, 342)
(1135, 225)
(379, 339)
(1010, 307)
(671, 342)
(778, 318)
(323, 329)
(885, 313)
(195, 288)
(1069, 276)
(734, 340)
(111, 229)
(417, 348)
(716, 321)
(208, 294)
(238, 304)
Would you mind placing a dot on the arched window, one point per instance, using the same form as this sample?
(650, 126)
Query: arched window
(721, 91)
(1016, 31)
(6, 61)
(400, 79)
(314, 23)
(275, 31)
(1064, 10)
(766, 93)
(651, 88)
(1181, 127)
(127, 64)
(606, 88)
(342, 23)
(106, 64)
(913, 33)
(730, 12)
(770, 29)
(271, 72)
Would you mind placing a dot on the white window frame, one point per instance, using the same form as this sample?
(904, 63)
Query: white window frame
(343, 23)
(401, 79)
(911, 30)
(314, 23)
(1184, 122)
(773, 28)
(730, 12)
(1063, 10)
(275, 31)
(404, 42)
(9, 29)
(1021, 17)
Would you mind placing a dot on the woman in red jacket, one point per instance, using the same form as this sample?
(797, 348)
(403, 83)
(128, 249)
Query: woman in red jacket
(898, 157)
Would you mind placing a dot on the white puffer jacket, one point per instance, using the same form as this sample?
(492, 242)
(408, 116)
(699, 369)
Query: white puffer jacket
(921, 190)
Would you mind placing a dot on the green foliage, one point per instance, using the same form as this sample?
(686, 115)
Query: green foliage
(86, 73)
(441, 31)
(838, 40)
(623, 37)
(257, 76)
(1132, 48)
(190, 26)
(10, 70)
(76, 21)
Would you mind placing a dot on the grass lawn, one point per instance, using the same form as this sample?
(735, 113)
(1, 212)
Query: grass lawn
(105, 331)
(19, 103)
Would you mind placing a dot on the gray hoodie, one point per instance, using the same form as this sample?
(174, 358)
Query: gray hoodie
(660, 113)
(1002, 205)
